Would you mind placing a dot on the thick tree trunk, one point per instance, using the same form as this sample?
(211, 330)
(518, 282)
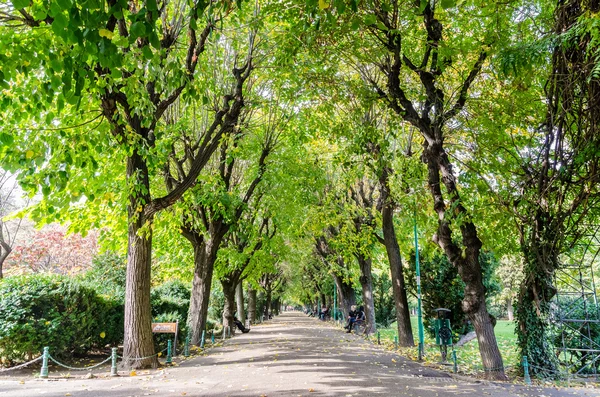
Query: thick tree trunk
(465, 260)
(535, 295)
(267, 305)
(405, 336)
(252, 305)
(323, 300)
(239, 300)
(138, 341)
(346, 296)
(366, 282)
(205, 255)
(229, 307)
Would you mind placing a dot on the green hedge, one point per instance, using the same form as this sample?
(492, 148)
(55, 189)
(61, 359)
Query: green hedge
(42, 310)
(72, 317)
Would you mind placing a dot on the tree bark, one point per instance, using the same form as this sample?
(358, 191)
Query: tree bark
(138, 340)
(205, 255)
(366, 282)
(268, 294)
(252, 305)
(229, 288)
(239, 300)
(405, 335)
(465, 260)
(346, 296)
(510, 310)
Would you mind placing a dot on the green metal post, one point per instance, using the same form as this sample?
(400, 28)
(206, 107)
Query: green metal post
(396, 341)
(378, 338)
(334, 301)
(526, 371)
(169, 354)
(186, 347)
(44, 370)
(419, 310)
(454, 361)
(202, 339)
(212, 337)
(113, 366)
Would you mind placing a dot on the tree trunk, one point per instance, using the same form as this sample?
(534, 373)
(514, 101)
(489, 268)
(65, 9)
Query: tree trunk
(323, 300)
(229, 288)
(3, 255)
(405, 336)
(275, 307)
(252, 305)
(510, 310)
(346, 297)
(205, 255)
(138, 340)
(239, 300)
(267, 304)
(465, 260)
(366, 281)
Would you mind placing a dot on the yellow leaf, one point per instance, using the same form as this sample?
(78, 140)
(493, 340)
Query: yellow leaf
(323, 4)
(393, 360)
(106, 33)
(133, 373)
(102, 335)
(311, 390)
(29, 154)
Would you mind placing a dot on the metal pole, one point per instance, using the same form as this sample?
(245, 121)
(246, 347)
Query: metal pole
(202, 339)
(334, 301)
(454, 361)
(378, 338)
(418, 271)
(526, 371)
(44, 370)
(396, 341)
(169, 357)
(186, 347)
(212, 337)
(113, 367)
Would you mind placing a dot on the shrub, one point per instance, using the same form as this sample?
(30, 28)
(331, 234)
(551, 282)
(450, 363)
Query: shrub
(54, 311)
(170, 302)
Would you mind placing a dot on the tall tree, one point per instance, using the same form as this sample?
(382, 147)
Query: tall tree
(93, 54)
(430, 114)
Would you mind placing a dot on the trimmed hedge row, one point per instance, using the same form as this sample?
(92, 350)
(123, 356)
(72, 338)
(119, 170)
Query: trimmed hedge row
(71, 317)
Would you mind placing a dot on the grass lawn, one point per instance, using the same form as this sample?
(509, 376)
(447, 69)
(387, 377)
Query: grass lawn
(468, 358)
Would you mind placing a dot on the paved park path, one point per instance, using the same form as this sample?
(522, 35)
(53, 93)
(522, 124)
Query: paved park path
(291, 355)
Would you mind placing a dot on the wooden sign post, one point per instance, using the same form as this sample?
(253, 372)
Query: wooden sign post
(167, 328)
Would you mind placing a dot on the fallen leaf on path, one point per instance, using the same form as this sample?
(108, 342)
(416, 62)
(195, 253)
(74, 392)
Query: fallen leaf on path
(311, 390)
(132, 373)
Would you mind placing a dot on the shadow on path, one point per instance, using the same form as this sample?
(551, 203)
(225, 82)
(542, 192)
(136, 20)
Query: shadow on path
(291, 355)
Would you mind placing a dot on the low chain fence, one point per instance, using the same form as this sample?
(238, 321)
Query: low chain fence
(46, 358)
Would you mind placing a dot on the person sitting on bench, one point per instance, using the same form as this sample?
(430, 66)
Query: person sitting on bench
(351, 318)
(324, 313)
(240, 326)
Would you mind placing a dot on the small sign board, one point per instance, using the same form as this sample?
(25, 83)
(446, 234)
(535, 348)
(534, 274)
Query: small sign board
(164, 328)
(167, 328)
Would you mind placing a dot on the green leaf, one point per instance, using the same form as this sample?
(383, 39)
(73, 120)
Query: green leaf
(151, 5)
(447, 4)
(138, 29)
(18, 4)
(64, 4)
(60, 22)
(370, 19)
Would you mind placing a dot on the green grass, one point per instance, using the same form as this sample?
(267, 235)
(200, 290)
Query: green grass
(468, 358)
